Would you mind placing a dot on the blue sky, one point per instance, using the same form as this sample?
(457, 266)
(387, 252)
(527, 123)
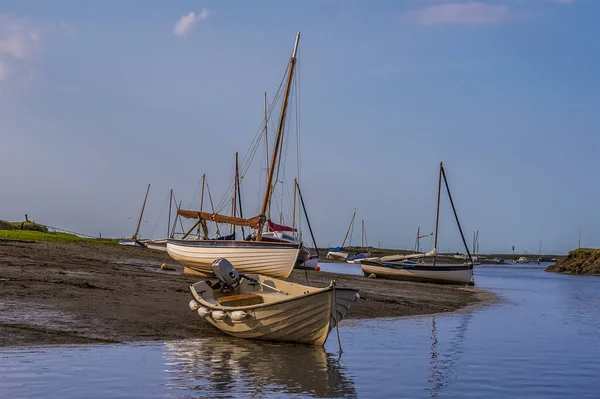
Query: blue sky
(99, 98)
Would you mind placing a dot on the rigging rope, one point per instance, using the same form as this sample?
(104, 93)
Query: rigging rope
(159, 215)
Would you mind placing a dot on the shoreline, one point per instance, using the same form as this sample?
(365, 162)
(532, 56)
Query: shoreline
(72, 294)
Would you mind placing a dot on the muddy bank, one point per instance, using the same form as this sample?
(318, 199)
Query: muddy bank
(72, 294)
(584, 261)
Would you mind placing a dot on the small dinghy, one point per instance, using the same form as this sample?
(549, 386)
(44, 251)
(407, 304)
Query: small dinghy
(265, 308)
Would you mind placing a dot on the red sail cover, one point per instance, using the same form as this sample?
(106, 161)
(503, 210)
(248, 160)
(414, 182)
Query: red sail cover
(277, 227)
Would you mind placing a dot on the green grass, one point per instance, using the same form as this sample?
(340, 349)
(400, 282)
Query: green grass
(28, 235)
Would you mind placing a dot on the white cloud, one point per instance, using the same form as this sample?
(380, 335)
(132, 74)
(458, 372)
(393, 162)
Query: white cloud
(17, 39)
(19, 43)
(472, 12)
(187, 22)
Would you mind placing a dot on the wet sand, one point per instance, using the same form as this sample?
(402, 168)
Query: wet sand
(76, 294)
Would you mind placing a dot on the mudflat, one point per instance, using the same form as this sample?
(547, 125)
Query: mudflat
(84, 293)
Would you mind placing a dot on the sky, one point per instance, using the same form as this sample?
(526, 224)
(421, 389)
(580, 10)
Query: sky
(98, 99)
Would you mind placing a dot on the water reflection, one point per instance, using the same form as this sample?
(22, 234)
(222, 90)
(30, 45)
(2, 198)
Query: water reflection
(442, 366)
(228, 368)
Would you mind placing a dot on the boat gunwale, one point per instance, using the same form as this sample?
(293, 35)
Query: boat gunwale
(232, 243)
(428, 268)
(263, 305)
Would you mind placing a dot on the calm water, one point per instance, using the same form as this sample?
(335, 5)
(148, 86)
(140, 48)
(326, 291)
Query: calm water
(540, 342)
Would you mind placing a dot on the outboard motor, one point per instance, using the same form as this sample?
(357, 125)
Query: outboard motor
(228, 277)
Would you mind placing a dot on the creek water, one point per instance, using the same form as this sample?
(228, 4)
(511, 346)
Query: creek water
(539, 341)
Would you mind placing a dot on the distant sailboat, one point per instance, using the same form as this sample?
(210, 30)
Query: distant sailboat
(134, 239)
(364, 244)
(161, 243)
(395, 266)
(341, 253)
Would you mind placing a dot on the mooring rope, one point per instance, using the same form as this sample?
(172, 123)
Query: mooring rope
(334, 309)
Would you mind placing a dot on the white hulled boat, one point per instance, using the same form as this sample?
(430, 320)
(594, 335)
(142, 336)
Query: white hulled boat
(253, 255)
(396, 267)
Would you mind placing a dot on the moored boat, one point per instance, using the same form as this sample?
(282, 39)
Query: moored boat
(265, 308)
(254, 254)
(395, 266)
(133, 241)
(441, 274)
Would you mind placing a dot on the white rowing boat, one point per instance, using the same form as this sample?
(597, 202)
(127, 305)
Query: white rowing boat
(265, 308)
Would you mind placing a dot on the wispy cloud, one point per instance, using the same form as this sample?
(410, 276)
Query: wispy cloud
(19, 41)
(564, 1)
(472, 12)
(187, 22)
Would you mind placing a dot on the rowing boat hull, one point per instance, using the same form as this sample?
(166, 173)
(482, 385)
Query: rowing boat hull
(157, 245)
(305, 318)
(441, 274)
(131, 243)
(337, 255)
(256, 257)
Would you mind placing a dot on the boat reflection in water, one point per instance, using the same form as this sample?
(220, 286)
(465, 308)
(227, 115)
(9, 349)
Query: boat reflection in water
(244, 368)
(443, 364)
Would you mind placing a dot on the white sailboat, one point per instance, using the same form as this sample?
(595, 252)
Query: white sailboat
(254, 255)
(396, 266)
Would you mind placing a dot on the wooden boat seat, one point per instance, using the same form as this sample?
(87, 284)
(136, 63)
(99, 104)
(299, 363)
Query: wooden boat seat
(240, 300)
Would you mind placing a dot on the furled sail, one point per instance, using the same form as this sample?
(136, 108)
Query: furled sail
(254, 222)
(271, 226)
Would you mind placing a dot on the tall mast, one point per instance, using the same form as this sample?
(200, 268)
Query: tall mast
(202, 194)
(239, 196)
(266, 147)
(417, 246)
(349, 226)
(202, 199)
(234, 199)
(169, 223)
(362, 237)
(278, 138)
(137, 229)
(294, 205)
(437, 214)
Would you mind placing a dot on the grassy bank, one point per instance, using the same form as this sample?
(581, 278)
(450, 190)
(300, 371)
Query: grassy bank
(31, 231)
(583, 261)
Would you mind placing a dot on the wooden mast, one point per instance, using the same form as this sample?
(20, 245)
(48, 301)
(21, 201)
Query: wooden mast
(437, 214)
(266, 122)
(239, 192)
(348, 231)
(137, 229)
(278, 138)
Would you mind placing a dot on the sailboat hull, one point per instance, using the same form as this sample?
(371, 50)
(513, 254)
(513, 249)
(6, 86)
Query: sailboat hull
(441, 274)
(267, 258)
